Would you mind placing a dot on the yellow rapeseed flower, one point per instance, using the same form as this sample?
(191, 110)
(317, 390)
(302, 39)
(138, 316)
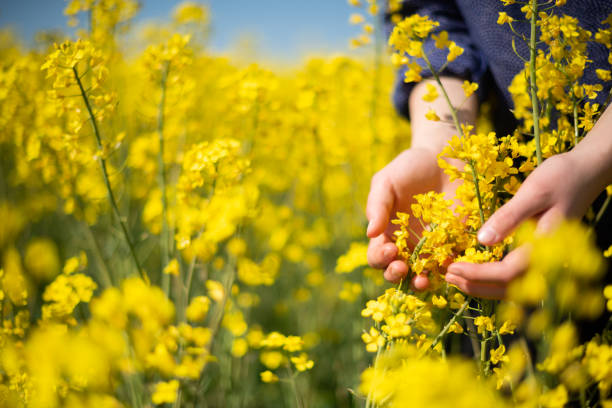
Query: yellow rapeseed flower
(498, 355)
(504, 18)
(302, 362)
(432, 93)
(469, 88)
(172, 268)
(453, 51)
(268, 376)
(165, 392)
(431, 115)
(197, 309)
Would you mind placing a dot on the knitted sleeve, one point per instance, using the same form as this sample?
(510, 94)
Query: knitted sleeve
(471, 65)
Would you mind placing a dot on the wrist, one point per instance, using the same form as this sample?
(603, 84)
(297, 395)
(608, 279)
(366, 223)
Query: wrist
(593, 154)
(593, 165)
(434, 135)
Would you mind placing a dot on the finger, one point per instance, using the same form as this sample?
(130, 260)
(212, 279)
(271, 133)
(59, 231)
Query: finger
(549, 221)
(396, 271)
(492, 273)
(420, 281)
(482, 290)
(380, 204)
(381, 251)
(525, 204)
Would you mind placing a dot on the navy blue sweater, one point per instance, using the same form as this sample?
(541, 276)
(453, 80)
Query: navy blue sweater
(488, 57)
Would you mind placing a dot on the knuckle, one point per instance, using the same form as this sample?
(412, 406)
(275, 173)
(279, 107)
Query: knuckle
(380, 179)
(374, 258)
(376, 178)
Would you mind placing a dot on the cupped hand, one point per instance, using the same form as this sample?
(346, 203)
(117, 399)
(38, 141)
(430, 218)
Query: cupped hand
(559, 188)
(414, 171)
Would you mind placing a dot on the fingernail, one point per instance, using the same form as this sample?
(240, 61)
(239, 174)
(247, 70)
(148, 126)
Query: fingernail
(392, 274)
(453, 269)
(450, 278)
(369, 226)
(487, 235)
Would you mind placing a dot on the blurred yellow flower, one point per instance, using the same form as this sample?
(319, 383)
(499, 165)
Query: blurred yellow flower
(268, 376)
(302, 362)
(432, 93)
(172, 268)
(165, 392)
(431, 115)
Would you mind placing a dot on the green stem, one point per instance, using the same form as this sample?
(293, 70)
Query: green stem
(369, 402)
(453, 111)
(165, 242)
(483, 357)
(446, 328)
(294, 387)
(527, 353)
(471, 330)
(109, 190)
(602, 210)
(417, 249)
(532, 81)
(500, 340)
(104, 274)
(575, 122)
(184, 295)
(218, 318)
(475, 176)
(455, 117)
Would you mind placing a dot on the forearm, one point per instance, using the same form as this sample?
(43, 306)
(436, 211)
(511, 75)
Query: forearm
(432, 135)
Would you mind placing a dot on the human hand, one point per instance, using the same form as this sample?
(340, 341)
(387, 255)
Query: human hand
(414, 171)
(561, 187)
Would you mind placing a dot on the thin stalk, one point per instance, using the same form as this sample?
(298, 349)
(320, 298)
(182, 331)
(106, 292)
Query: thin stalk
(532, 81)
(132, 391)
(480, 210)
(179, 399)
(109, 190)
(369, 402)
(602, 210)
(184, 296)
(575, 122)
(525, 348)
(294, 387)
(417, 249)
(104, 274)
(483, 357)
(217, 319)
(471, 329)
(453, 111)
(165, 242)
(455, 117)
(446, 328)
(500, 340)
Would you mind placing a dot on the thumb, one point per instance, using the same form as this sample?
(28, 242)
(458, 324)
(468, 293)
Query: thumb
(522, 206)
(380, 203)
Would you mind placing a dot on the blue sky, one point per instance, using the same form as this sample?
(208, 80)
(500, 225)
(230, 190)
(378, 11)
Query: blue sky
(282, 30)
